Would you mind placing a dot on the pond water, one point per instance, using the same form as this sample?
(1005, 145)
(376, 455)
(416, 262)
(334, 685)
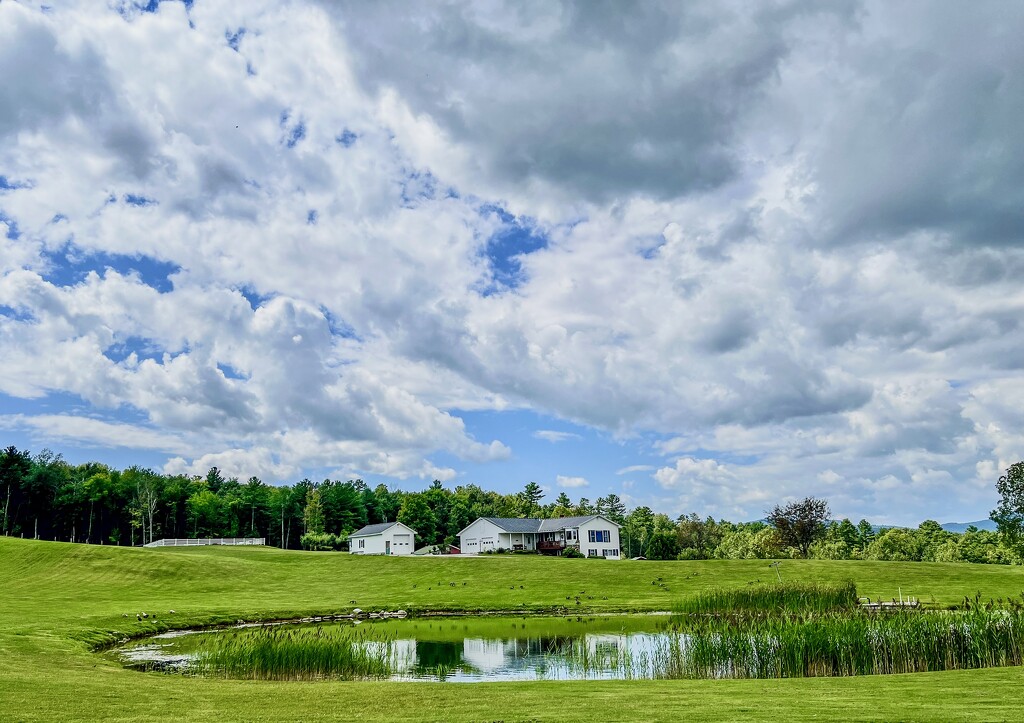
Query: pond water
(478, 649)
(458, 649)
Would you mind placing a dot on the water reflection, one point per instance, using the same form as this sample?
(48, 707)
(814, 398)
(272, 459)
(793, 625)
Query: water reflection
(466, 650)
(587, 656)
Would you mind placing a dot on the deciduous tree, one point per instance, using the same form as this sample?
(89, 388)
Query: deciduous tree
(1009, 514)
(800, 523)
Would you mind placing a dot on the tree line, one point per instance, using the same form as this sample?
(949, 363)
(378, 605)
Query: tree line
(45, 497)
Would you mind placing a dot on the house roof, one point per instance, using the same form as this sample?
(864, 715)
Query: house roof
(560, 523)
(531, 524)
(375, 529)
(515, 524)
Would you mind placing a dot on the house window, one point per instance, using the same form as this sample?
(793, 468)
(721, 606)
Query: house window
(362, 544)
(593, 535)
(600, 536)
(592, 553)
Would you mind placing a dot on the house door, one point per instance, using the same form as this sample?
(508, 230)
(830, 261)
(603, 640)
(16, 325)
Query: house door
(387, 547)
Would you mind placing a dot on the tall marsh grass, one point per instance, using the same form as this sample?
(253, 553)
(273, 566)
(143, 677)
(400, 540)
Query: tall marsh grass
(793, 598)
(296, 653)
(842, 644)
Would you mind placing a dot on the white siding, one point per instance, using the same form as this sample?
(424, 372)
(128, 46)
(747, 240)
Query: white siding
(401, 538)
(610, 549)
(481, 535)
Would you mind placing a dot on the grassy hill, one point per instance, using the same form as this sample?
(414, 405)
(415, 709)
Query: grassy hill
(58, 600)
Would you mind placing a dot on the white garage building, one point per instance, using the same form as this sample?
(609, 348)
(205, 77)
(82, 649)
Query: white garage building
(593, 535)
(386, 538)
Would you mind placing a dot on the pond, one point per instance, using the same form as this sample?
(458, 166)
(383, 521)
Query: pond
(451, 649)
(481, 649)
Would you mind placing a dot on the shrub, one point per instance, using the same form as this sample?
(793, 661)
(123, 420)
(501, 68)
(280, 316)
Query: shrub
(572, 552)
(895, 545)
(321, 541)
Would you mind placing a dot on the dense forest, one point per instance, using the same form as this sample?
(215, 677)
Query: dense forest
(45, 497)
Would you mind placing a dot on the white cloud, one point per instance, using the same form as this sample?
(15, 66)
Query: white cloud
(711, 284)
(66, 427)
(553, 436)
(635, 468)
(688, 471)
(571, 482)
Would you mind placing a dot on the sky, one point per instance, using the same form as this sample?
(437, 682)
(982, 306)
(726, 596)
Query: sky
(707, 256)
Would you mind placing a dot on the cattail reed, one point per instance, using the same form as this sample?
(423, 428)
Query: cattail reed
(281, 653)
(843, 644)
(780, 598)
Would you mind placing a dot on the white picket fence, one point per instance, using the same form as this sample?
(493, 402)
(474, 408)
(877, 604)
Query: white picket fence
(196, 541)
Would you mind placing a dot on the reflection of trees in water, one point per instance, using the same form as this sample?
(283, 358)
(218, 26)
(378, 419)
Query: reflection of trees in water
(529, 647)
(431, 655)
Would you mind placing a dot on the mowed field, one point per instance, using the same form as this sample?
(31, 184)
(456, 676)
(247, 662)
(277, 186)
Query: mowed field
(58, 601)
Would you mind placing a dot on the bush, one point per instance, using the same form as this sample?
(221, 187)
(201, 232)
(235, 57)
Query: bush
(895, 545)
(573, 552)
(763, 544)
(322, 541)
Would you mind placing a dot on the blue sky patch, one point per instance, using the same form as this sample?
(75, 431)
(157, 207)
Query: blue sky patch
(230, 372)
(346, 138)
(234, 38)
(539, 460)
(13, 232)
(418, 186)
(293, 132)
(650, 250)
(153, 5)
(255, 299)
(298, 132)
(14, 314)
(312, 216)
(71, 264)
(338, 326)
(515, 238)
(135, 199)
(75, 452)
(10, 184)
(142, 348)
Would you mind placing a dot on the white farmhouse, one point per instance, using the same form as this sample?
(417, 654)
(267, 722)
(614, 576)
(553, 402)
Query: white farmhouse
(593, 535)
(386, 538)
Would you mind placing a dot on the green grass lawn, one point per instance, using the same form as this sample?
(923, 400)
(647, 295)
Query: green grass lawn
(59, 600)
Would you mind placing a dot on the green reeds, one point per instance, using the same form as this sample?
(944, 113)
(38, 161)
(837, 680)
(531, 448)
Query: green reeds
(772, 598)
(842, 644)
(287, 653)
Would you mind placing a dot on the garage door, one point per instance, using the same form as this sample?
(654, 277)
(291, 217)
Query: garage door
(403, 543)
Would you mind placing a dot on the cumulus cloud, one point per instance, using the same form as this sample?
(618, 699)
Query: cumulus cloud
(653, 95)
(571, 482)
(777, 250)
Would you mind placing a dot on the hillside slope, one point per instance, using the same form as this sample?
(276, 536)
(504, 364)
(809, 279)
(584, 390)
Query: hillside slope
(60, 599)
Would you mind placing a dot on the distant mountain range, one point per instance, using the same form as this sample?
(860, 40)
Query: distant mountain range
(962, 526)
